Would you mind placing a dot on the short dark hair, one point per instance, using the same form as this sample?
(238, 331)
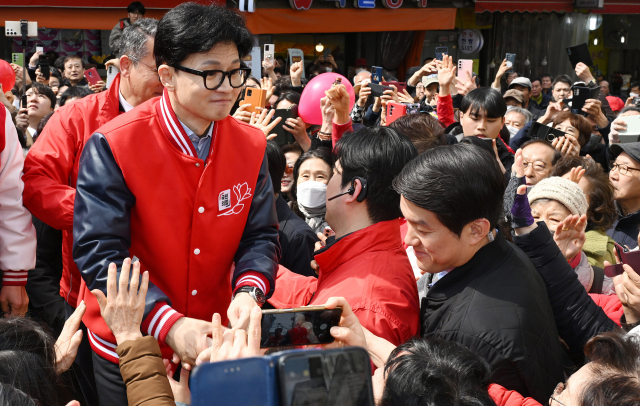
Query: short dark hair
(436, 372)
(578, 121)
(293, 147)
(423, 130)
(74, 92)
(135, 36)
(320, 153)
(546, 75)
(615, 362)
(377, 155)
(277, 164)
(192, 28)
(561, 79)
(634, 84)
(630, 108)
(136, 6)
(458, 183)
(43, 123)
(602, 211)
(484, 98)
(556, 154)
(70, 57)
(291, 97)
(282, 85)
(45, 90)
(536, 80)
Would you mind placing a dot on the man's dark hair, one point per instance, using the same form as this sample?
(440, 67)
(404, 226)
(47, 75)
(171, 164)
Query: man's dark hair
(53, 71)
(135, 36)
(277, 164)
(536, 80)
(45, 90)
(74, 92)
(561, 79)
(70, 57)
(423, 130)
(282, 85)
(556, 154)
(436, 372)
(484, 98)
(293, 147)
(42, 124)
(629, 108)
(192, 28)
(136, 7)
(546, 75)
(458, 183)
(634, 84)
(428, 58)
(291, 97)
(377, 155)
(615, 370)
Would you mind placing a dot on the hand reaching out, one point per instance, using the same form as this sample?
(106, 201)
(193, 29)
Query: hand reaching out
(627, 287)
(263, 122)
(242, 114)
(570, 235)
(575, 174)
(584, 73)
(180, 389)
(518, 164)
(446, 73)
(466, 85)
(339, 98)
(405, 97)
(502, 69)
(296, 74)
(69, 340)
(267, 84)
(98, 87)
(567, 145)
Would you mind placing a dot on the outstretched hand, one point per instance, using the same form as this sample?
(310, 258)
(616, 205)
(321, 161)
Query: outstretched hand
(570, 235)
(69, 340)
(628, 290)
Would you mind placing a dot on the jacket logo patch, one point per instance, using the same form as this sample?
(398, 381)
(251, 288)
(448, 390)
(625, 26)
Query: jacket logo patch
(224, 200)
(242, 192)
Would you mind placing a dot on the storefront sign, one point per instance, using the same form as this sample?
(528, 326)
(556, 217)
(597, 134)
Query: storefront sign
(390, 4)
(300, 4)
(247, 5)
(365, 3)
(470, 41)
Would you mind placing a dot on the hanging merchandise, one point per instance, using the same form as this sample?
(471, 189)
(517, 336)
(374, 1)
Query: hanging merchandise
(470, 41)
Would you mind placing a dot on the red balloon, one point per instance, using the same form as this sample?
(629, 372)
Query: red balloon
(7, 76)
(309, 108)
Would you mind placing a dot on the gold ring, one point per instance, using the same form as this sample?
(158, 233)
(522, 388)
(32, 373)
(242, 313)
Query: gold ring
(565, 229)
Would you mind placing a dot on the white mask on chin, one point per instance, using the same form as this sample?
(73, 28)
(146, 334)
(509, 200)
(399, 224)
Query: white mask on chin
(312, 194)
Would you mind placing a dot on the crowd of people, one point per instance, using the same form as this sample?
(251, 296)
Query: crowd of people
(144, 226)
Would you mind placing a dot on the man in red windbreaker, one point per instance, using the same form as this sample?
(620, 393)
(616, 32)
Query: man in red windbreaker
(365, 262)
(51, 166)
(183, 187)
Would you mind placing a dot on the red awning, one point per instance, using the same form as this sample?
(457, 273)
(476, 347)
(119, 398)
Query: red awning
(619, 7)
(524, 6)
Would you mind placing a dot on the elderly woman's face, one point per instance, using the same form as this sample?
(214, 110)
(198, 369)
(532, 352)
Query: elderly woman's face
(551, 212)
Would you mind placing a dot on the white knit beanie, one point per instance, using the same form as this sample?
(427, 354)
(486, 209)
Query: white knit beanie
(562, 190)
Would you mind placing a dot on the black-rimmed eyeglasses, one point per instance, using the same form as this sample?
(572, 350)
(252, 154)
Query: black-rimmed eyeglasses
(213, 79)
(622, 168)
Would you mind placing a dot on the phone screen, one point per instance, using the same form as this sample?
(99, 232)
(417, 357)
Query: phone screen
(511, 61)
(335, 378)
(294, 328)
(441, 51)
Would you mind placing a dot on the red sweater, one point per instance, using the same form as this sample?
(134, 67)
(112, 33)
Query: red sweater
(371, 270)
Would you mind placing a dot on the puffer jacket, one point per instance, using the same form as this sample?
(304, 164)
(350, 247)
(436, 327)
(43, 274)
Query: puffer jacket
(496, 305)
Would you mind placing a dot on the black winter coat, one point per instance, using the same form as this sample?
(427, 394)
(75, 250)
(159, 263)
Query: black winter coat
(578, 317)
(496, 305)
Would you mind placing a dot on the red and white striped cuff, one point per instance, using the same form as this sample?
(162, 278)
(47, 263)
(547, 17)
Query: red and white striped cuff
(255, 279)
(159, 321)
(14, 278)
(102, 347)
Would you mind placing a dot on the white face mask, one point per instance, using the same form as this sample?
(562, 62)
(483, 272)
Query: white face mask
(634, 94)
(329, 69)
(512, 130)
(312, 194)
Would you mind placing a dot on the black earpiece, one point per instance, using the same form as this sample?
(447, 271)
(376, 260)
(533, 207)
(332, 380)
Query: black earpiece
(363, 192)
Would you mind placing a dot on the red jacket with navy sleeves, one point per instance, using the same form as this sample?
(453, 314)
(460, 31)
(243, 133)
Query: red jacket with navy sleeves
(201, 228)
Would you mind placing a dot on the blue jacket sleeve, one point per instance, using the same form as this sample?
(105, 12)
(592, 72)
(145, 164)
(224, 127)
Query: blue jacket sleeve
(259, 249)
(102, 218)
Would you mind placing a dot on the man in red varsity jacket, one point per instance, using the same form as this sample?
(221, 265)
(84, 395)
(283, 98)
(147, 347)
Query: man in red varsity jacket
(183, 187)
(17, 234)
(51, 166)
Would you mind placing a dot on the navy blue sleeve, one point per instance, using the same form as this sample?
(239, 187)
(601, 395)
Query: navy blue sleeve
(521, 137)
(102, 218)
(259, 249)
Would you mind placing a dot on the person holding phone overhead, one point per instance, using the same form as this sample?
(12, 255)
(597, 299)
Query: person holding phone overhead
(191, 180)
(51, 167)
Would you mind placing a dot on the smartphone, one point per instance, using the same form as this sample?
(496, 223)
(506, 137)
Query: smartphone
(300, 326)
(399, 85)
(465, 67)
(636, 101)
(413, 108)
(112, 72)
(284, 137)
(269, 53)
(377, 90)
(511, 62)
(326, 52)
(18, 59)
(376, 74)
(441, 51)
(633, 128)
(395, 111)
(631, 258)
(43, 63)
(245, 381)
(40, 49)
(580, 96)
(92, 76)
(332, 377)
(540, 131)
(579, 53)
(23, 101)
(255, 97)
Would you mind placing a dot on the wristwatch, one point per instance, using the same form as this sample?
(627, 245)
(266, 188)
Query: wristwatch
(255, 293)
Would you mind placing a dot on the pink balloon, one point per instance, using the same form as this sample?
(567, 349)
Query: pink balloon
(309, 108)
(7, 76)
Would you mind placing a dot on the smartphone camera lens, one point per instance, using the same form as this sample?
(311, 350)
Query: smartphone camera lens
(249, 92)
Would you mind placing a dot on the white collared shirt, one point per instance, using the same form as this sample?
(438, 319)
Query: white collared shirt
(125, 104)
